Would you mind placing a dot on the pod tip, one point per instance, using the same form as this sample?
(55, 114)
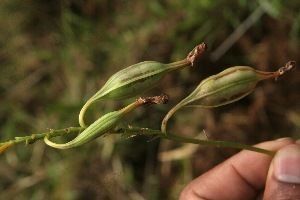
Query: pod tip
(287, 67)
(196, 53)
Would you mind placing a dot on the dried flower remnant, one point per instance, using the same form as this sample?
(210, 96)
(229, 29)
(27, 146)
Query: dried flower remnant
(106, 123)
(162, 99)
(226, 87)
(288, 67)
(138, 78)
(196, 53)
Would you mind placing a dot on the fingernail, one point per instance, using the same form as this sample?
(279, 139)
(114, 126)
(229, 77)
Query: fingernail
(298, 141)
(287, 164)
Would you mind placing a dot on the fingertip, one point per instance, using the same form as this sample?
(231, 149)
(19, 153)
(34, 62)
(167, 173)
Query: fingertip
(284, 175)
(287, 164)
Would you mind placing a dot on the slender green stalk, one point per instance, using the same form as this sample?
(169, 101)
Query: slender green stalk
(219, 144)
(29, 139)
(132, 132)
(182, 139)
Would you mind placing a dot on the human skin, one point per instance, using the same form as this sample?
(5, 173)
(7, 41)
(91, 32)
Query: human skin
(248, 175)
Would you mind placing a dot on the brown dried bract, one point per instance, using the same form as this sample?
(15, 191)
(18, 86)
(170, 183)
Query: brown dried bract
(287, 67)
(161, 99)
(196, 53)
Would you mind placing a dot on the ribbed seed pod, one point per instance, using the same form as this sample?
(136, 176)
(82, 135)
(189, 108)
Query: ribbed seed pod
(106, 123)
(96, 129)
(226, 87)
(138, 78)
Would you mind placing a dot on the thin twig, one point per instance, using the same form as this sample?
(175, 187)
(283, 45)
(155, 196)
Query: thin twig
(182, 139)
(29, 139)
(137, 131)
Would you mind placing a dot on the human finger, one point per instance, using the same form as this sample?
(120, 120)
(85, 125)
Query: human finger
(283, 180)
(240, 177)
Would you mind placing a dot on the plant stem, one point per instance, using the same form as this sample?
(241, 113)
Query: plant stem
(137, 131)
(29, 139)
(177, 138)
(218, 143)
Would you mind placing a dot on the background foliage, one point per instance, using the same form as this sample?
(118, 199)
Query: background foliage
(55, 54)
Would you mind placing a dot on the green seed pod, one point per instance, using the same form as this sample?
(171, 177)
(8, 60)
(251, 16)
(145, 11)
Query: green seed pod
(224, 88)
(106, 123)
(96, 129)
(137, 79)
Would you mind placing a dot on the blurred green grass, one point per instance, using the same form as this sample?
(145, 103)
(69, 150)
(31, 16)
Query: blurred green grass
(55, 54)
